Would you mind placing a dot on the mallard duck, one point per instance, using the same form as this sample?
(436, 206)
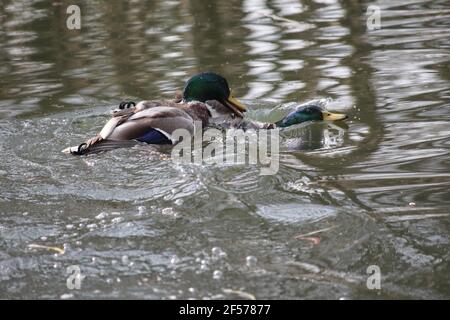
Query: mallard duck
(206, 98)
(311, 111)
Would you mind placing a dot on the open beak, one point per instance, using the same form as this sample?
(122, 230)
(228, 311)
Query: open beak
(328, 116)
(235, 105)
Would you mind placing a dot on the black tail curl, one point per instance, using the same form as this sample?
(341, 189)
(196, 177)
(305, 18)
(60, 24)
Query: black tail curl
(126, 104)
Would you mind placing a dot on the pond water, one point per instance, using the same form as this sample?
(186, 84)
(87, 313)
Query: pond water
(375, 191)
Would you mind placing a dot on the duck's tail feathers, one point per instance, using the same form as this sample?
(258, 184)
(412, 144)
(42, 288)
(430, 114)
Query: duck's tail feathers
(104, 145)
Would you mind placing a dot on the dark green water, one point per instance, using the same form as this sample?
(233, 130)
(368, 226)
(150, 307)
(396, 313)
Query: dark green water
(140, 226)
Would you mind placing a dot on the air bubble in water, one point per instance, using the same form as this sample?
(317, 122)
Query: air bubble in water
(218, 253)
(251, 261)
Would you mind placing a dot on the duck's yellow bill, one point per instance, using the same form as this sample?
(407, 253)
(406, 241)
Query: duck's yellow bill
(328, 116)
(235, 102)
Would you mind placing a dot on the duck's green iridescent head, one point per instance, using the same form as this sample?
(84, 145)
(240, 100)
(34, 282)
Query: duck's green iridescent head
(309, 113)
(211, 86)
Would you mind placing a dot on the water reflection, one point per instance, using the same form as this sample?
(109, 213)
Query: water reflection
(379, 187)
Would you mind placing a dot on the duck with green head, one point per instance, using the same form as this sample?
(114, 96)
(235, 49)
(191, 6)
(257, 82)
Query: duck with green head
(206, 97)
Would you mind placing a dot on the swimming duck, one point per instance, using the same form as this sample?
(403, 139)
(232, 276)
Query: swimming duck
(206, 98)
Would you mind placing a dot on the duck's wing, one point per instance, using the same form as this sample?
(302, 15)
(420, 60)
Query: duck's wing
(121, 115)
(142, 105)
(100, 146)
(163, 119)
(155, 126)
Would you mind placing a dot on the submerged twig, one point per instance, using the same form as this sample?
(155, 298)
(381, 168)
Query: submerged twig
(415, 217)
(300, 236)
(289, 22)
(39, 246)
(241, 294)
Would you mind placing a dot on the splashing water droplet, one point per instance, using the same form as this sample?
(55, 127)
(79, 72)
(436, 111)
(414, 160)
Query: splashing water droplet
(217, 275)
(174, 260)
(117, 220)
(92, 226)
(216, 251)
(142, 210)
(101, 215)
